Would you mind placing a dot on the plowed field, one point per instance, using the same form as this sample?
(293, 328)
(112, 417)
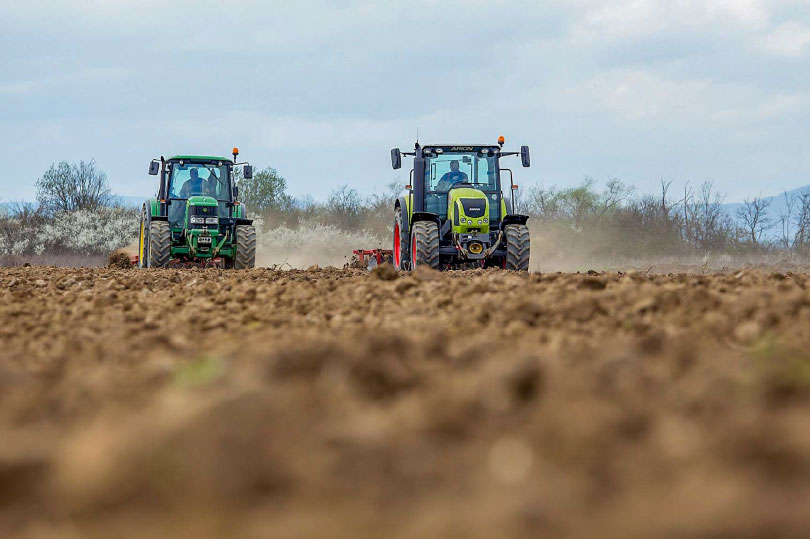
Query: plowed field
(338, 403)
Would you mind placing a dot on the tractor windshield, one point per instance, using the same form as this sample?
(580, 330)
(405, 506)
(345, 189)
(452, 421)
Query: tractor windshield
(443, 170)
(194, 179)
(446, 169)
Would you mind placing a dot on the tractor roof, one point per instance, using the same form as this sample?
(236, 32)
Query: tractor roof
(460, 147)
(198, 158)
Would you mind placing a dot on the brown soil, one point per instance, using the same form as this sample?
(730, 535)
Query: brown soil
(341, 403)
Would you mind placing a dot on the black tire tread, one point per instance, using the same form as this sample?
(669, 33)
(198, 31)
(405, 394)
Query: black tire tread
(426, 236)
(245, 247)
(160, 244)
(518, 247)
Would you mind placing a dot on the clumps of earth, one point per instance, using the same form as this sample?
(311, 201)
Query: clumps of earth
(348, 403)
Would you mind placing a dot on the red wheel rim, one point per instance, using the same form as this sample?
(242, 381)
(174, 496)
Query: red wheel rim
(397, 247)
(413, 252)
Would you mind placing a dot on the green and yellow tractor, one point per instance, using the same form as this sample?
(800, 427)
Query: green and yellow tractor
(196, 218)
(454, 214)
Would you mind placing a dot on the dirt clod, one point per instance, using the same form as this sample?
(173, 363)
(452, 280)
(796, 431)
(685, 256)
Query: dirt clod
(385, 272)
(119, 259)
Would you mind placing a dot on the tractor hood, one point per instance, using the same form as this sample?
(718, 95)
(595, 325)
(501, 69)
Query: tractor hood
(202, 201)
(468, 208)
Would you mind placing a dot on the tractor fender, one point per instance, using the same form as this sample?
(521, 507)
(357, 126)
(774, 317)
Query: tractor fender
(513, 220)
(154, 212)
(239, 211)
(425, 216)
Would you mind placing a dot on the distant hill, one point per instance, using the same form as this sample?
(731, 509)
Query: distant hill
(777, 207)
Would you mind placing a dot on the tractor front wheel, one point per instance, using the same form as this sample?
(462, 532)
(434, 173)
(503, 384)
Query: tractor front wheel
(517, 247)
(245, 247)
(425, 245)
(160, 244)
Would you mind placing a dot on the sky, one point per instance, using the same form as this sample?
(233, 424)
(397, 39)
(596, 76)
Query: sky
(683, 90)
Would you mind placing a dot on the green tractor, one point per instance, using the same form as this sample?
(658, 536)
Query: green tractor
(453, 213)
(196, 219)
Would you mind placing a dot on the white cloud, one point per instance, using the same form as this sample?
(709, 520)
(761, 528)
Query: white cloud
(22, 87)
(790, 39)
(627, 19)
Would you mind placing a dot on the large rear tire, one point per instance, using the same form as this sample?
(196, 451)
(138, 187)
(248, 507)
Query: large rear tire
(160, 244)
(518, 246)
(245, 247)
(399, 257)
(425, 245)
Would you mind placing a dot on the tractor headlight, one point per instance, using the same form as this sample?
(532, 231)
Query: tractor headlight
(480, 222)
(212, 220)
(486, 221)
(197, 220)
(463, 221)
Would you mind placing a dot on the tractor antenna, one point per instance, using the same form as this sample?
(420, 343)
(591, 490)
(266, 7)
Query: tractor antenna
(417, 136)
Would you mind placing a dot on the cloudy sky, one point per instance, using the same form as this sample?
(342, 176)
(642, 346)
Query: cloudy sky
(689, 90)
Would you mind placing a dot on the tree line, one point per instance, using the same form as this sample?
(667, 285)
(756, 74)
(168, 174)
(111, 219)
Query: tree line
(77, 212)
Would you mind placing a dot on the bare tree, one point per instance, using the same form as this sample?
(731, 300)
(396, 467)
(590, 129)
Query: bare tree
(344, 207)
(755, 219)
(786, 220)
(69, 187)
(688, 196)
(613, 196)
(709, 228)
(802, 238)
(666, 206)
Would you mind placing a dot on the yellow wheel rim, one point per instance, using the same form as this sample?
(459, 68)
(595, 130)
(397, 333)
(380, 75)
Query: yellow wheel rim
(140, 252)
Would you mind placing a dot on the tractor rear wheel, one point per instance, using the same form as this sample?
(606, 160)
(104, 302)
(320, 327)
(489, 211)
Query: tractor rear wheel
(425, 245)
(399, 250)
(245, 247)
(160, 244)
(517, 247)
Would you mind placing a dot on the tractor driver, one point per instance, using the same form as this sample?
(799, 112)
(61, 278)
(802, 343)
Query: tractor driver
(193, 186)
(451, 178)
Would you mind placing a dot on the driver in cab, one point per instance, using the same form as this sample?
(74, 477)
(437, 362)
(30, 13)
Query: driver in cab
(451, 178)
(194, 186)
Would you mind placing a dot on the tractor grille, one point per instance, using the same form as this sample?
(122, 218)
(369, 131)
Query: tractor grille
(474, 207)
(205, 211)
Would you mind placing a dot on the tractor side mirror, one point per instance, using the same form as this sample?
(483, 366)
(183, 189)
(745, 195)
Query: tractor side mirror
(248, 170)
(154, 168)
(524, 156)
(396, 158)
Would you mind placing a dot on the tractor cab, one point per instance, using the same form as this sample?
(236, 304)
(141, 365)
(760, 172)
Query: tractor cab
(458, 189)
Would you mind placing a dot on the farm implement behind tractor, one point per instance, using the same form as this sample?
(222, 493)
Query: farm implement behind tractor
(371, 258)
(453, 213)
(196, 219)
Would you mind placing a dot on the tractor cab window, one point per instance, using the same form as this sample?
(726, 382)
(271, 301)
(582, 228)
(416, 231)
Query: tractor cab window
(443, 170)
